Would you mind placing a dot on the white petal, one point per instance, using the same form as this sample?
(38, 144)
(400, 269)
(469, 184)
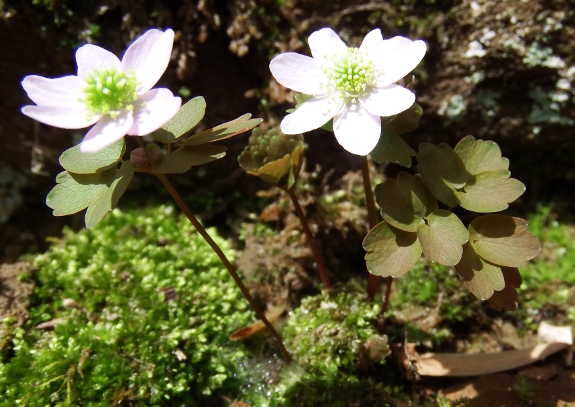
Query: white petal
(63, 116)
(91, 57)
(357, 130)
(106, 132)
(298, 72)
(372, 42)
(398, 63)
(148, 57)
(152, 110)
(325, 43)
(312, 114)
(388, 101)
(58, 91)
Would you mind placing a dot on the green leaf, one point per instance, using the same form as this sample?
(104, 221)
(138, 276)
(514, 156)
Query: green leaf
(442, 237)
(275, 171)
(405, 202)
(392, 148)
(507, 299)
(224, 131)
(490, 191)
(390, 251)
(442, 170)
(479, 156)
(185, 120)
(479, 276)
(73, 160)
(75, 192)
(297, 160)
(503, 240)
(110, 196)
(185, 158)
(406, 121)
(99, 193)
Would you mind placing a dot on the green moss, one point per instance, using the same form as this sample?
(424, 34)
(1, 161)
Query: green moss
(158, 308)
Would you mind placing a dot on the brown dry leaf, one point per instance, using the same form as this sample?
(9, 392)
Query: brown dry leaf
(271, 315)
(507, 299)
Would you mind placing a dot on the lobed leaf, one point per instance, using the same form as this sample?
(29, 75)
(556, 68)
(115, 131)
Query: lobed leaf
(442, 237)
(503, 240)
(99, 193)
(479, 156)
(479, 276)
(109, 197)
(77, 162)
(185, 158)
(405, 202)
(507, 299)
(188, 117)
(490, 191)
(392, 148)
(224, 131)
(442, 170)
(390, 251)
(406, 121)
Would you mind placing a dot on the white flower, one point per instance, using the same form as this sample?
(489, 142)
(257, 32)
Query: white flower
(115, 95)
(354, 86)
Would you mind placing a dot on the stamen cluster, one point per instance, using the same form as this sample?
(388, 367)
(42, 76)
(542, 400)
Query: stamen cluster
(351, 74)
(110, 91)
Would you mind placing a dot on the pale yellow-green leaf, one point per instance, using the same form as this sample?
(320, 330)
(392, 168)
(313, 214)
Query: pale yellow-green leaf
(480, 156)
(224, 131)
(185, 158)
(75, 192)
(479, 276)
(390, 251)
(442, 170)
(277, 172)
(490, 191)
(405, 202)
(77, 162)
(391, 147)
(503, 240)
(185, 120)
(443, 237)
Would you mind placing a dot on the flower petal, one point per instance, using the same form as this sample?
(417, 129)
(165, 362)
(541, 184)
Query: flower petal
(312, 114)
(373, 42)
(356, 129)
(106, 131)
(298, 72)
(148, 57)
(63, 91)
(387, 101)
(325, 43)
(65, 117)
(399, 61)
(91, 57)
(152, 110)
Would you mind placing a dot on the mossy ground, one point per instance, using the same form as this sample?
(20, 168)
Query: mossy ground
(154, 308)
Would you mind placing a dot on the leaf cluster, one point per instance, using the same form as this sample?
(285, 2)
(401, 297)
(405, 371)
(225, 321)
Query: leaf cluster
(94, 181)
(487, 253)
(160, 307)
(274, 157)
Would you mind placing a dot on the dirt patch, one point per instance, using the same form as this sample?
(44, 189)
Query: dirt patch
(13, 292)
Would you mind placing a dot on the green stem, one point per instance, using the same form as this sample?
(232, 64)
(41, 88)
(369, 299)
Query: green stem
(372, 280)
(310, 239)
(226, 262)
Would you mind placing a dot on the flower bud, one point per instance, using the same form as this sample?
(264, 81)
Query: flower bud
(139, 158)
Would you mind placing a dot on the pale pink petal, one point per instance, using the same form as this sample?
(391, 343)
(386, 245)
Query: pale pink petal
(148, 57)
(387, 101)
(312, 114)
(400, 63)
(58, 91)
(107, 131)
(152, 110)
(298, 72)
(90, 58)
(63, 116)
(324, 44)
(356, 129)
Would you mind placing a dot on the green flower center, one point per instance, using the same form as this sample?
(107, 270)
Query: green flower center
(351, 74)
(110, 91)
